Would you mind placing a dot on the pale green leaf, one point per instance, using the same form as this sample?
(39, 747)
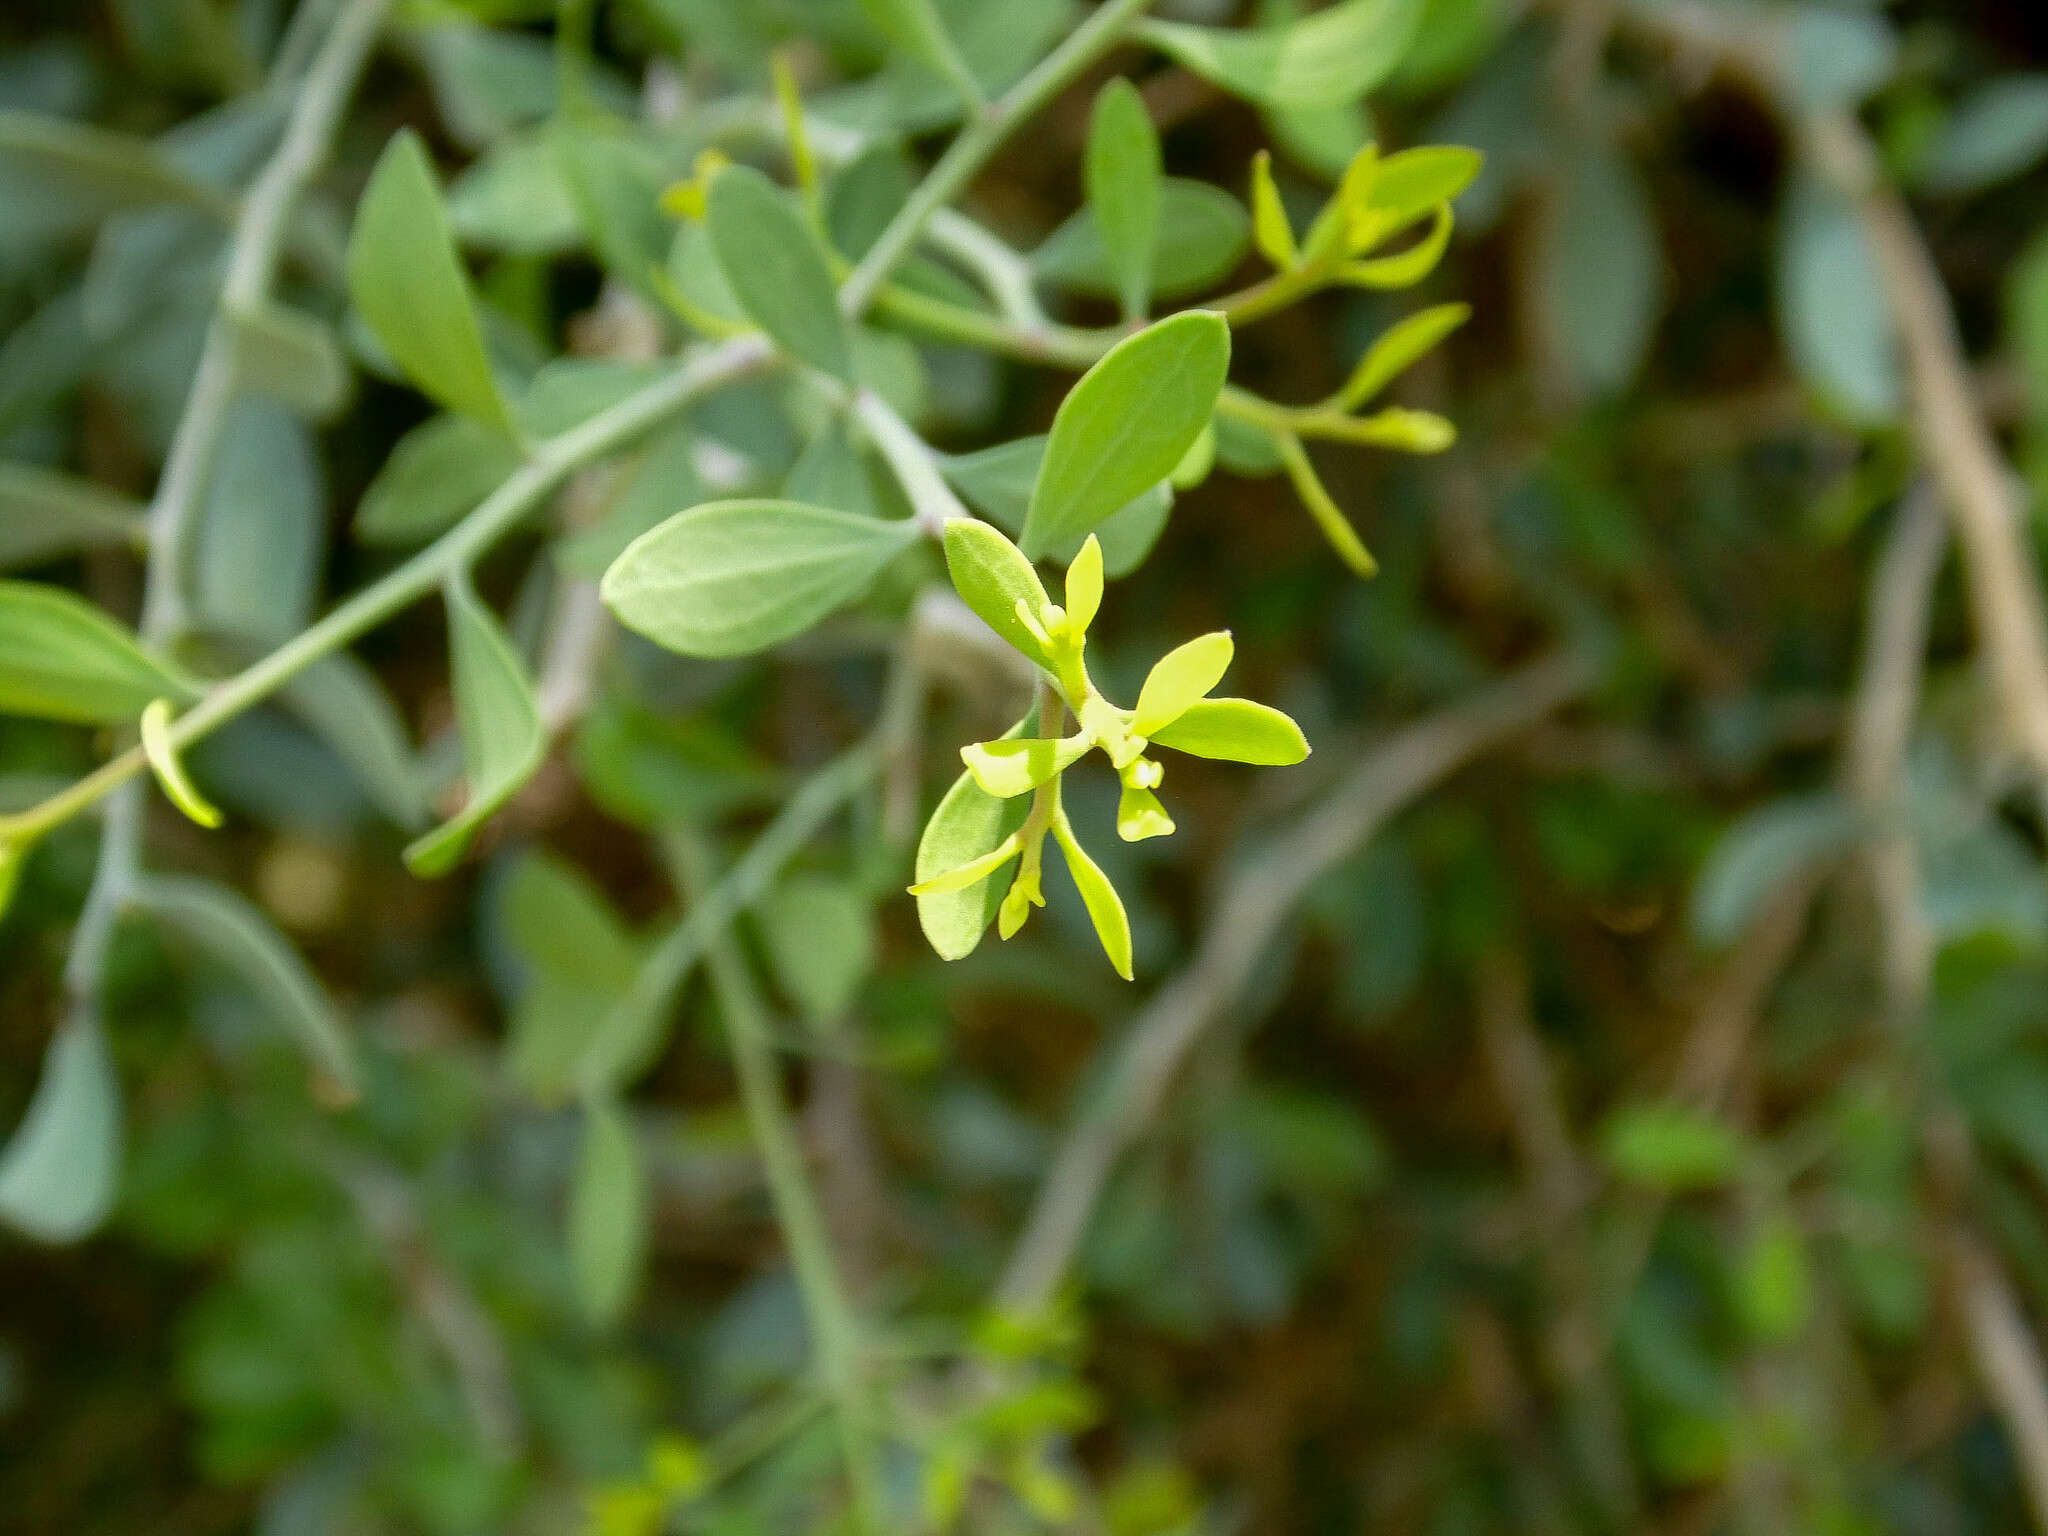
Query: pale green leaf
(340, 701)
(776, 269)
(1759, 853)
(502, 738)
(732, 577)
(1121, 168)
(1832, 309)
(1271, 228)
(514, 198)
(63, 659)
(263, 529)
(968, 823)
(1606, 270)
(1396, 348)
(59, 1173)
(1201, 235)
(1124, 427)
(607, 1214)
(992, 577)
(1105, 907)
(44, 514)
(59, 175)
(1999, 131)
(1671, 1147)
(439, 471)
(1016, 767)
(1409, 184)
(1181, 677)
(820, 937)
(288, 355)
(220, 924)
(1334, 55)
(170, 772)
(408, 285)
(1235, 730)
(916, 28)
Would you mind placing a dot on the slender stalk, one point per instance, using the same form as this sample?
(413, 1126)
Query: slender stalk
(666, 967)
(911, 460)
(319, 100)
(972, 147)
(835, 1331)
(604, 434)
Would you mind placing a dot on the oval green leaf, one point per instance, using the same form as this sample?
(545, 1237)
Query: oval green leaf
(59, 1173)
(968, 824)
(776, 269)
(63, 659)
(409, 286)
(1125, 426)
(230, 931)
(992, 577)
(502, 738)
(1237, 731)
(607, 1214)
(732, 577)
(1335, 55)
(438, 471)
(1199, 235)
(1122, 169)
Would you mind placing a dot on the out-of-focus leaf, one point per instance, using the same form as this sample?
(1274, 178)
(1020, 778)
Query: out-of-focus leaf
(1606, 271)
(340, 701)
(1334, 55)
(776, 269)
(263, 526)
(820, 937)
(916, 27)
(63, 659)
(1202, 235)
(44, 515)
(409, 286)
(502, 739)
(1122, 171)
(1773, 1281)
(615, 183)
(60, 176)
(1671, 1147)
(1762, 850)
(515, 198)
(437, 473)
(732, 577)
(59, 1172)
(607, 1213)
(222, 925)
(1998, 132)
(292, 357)
(1839, 55)
(1831, 306)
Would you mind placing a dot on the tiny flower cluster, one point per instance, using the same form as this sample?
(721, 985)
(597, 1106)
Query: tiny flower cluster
(1174, 710)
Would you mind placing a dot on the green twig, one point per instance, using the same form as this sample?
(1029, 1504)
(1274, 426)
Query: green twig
(835, 1331)
(972, 146)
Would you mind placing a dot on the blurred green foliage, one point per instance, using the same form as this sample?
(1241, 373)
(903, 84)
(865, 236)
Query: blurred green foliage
(1589, 1152)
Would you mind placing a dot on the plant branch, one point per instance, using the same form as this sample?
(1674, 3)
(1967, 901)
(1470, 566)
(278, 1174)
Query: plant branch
(553, 462)
(973, 145)
(1246, 915)
(1961, 453)
(835, 1331)
(320, 97)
